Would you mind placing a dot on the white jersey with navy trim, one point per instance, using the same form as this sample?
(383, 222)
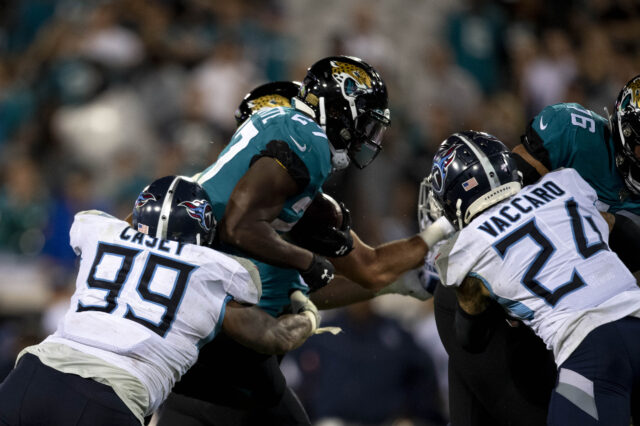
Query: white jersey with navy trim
(542, 254)
(145, 304)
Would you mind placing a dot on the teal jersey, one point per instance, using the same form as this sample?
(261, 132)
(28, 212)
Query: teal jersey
(278, 133)
(575, 137)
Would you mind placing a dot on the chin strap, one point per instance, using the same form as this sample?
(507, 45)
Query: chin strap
(298, 104)
(339, 157)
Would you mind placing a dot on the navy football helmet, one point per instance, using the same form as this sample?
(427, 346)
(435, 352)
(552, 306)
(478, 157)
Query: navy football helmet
(348, 98)
(269, 95)
(625, 126)
(175, 208)
(471, 171)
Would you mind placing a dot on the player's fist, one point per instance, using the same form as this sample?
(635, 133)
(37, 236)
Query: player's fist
(300, 304)
(319, 273)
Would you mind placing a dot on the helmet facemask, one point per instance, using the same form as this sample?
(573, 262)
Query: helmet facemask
(429, 209)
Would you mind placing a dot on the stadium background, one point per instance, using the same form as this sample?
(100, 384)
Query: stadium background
(98, 98)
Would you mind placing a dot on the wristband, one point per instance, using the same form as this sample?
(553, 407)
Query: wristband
(312, 318)
(438, 230)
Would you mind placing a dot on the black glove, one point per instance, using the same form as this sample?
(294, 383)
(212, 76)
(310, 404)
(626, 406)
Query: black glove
(319, 274)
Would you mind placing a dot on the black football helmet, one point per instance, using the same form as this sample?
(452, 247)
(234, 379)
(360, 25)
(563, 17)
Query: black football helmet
(625, 126)
(471, 171)
(348, 98)
(274, 94)
(175, 208)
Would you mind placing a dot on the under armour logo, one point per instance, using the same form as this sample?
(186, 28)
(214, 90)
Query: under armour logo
(341, 251)
(326, 275)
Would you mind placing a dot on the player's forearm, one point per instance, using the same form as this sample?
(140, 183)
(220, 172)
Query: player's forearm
(340, 292)
(291, 332)
(281, 336)
(259, 331)
(374, 268)
(260, 241)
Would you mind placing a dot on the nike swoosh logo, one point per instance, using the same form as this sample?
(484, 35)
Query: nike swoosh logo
(302, 148)
(542, 125)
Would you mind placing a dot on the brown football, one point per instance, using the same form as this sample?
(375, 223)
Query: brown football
(323, 212)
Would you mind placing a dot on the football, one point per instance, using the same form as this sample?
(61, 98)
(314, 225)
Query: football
(323, 212)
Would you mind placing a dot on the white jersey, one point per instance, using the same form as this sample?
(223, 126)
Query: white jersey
(144, 304)
(542, 254)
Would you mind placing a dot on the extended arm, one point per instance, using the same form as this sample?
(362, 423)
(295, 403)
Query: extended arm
(340, 292)
(376, 267)
(257, 330)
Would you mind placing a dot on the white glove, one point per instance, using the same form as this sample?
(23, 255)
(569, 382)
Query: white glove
(300, 304)
(437, 231)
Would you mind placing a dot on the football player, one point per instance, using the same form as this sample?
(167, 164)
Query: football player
(261, 185)
(515, 373)
(147, 298)
(541, 253)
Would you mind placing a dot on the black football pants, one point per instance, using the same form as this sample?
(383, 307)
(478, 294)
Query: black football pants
(35, 394)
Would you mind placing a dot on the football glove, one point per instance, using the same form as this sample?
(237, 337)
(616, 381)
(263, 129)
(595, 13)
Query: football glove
(300, 304)
(319, 273)
(330, 241)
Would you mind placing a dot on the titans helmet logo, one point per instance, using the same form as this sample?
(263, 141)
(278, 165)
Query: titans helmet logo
(144, 198)
(439, 170)
(201, 211)
(351, 78)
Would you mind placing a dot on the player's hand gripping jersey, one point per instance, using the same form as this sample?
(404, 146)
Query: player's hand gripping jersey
(568, 135)
(542, 254)
(130, 292)
(299, 145)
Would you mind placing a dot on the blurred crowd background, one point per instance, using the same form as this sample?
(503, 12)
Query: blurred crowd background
(98, 98)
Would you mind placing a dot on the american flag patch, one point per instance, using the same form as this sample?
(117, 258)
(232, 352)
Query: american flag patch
(143, 228)
(468, 184)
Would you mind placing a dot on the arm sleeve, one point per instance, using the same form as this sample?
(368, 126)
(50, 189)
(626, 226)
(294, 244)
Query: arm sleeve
(83, 221)
(457, 256)
(241, 286)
